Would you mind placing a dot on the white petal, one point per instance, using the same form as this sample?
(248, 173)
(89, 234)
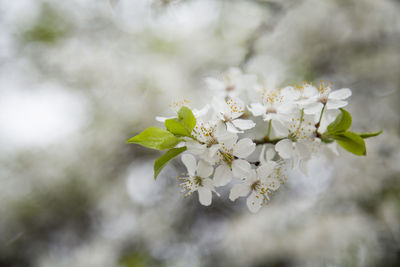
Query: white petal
(313, 108)
(262, 158)
(231, 128)
(270, 154)
(244, 148)
(333, 148)
(257, 109)
(205, 196)
(273, 183)
(333, 104)
(303, 151)
(284, 148)
(309, 91)
(190, 163)
(213, 149)
(195, 147)
(340, 94)
(254, 202)
(208, 183)
(240, 168)
(303, 166)
(239, 190)
(265, 169)
(201, 112)
(235, 107)
(215, 84)
(228, 140)
(243, 124)
(279, 128)
(163, 119)
(223, 175)
(204, 169)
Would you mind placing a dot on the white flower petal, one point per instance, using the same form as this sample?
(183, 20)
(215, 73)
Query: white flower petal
(244, 148)
(228, 140)
(239, 190)
(340, 94)
(163, 119)
(205, 196)
(201, 112)
(303, 151)
(240, 168)
(195, 147)
(204, 169)
(273, 183)
(257, 109)
(223, 175)
(285, 148)
(208, 183)
(309, 91)
(243, 124)
(313, 108)
(236, 107)
(265, 169)
(279, 128)
(270, 154)
(190, 163)
(254, 202)
(334, 104)
(231, 128)
(214, 84)
(303, 166)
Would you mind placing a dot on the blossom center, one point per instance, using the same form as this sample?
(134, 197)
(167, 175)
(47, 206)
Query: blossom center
(198, 181)
(271, 110)
(256, 185)
(227, 157)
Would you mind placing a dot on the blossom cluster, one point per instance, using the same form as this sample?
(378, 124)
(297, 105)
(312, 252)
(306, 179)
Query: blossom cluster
(251, 135)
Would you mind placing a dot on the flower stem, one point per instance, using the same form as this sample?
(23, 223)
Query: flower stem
(269, 129)
(320, 118)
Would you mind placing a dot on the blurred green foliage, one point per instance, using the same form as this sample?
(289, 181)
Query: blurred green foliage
(49, 27)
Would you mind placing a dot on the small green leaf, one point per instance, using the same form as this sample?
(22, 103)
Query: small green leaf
(164, 159)
(326, 138)
(352, 142)
(187, 118)
(155, 138)
(368, 135)
(176, 127)
(341, 124)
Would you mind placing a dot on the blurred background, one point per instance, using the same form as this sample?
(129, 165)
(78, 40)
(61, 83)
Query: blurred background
(78, 78)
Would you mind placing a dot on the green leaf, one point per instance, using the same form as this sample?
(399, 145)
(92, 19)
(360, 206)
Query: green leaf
(155, 138)
(184, 124)
(352, 142)
(164, 159)
(176, 127)
(368, 135)
(187, 118)
(341, 124)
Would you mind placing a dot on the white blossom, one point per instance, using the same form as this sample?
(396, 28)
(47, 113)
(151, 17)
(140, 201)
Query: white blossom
(257, 185)
(198, 179)
(232, 161)
(229, 111)
(294, 120)
(231, 83)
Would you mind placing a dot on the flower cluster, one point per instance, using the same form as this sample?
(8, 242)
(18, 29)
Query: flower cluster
(251, 135)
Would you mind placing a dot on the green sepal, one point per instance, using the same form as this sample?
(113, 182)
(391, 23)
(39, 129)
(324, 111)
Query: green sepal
(160, 163)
